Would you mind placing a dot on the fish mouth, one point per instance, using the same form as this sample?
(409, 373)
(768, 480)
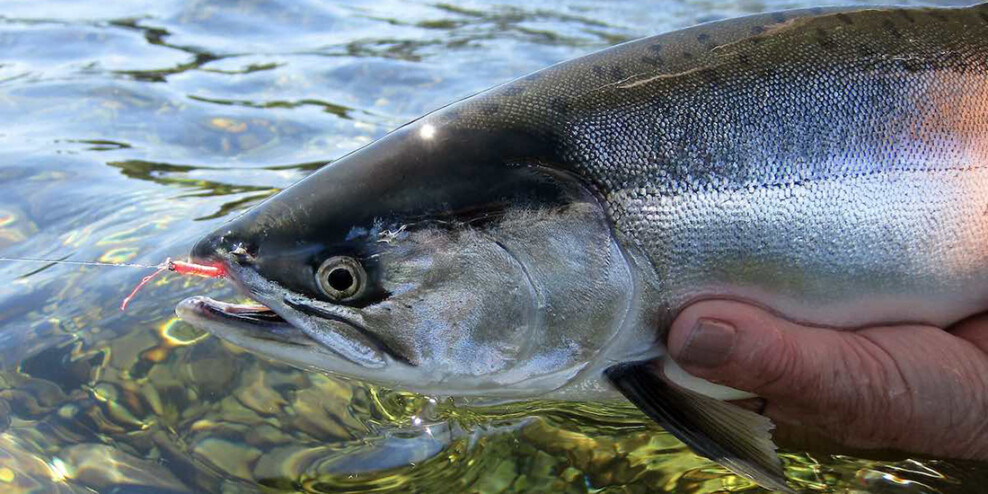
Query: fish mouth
(251, 320)
(261, 327)
(248, 313)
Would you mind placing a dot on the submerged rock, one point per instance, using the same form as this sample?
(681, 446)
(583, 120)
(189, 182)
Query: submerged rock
(101, 466)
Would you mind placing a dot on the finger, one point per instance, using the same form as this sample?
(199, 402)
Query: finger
(798, 437)
(756, 405)
(973, 329)
(915, 388)
(747, 348)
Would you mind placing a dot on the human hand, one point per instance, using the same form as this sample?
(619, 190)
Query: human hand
(910, 388)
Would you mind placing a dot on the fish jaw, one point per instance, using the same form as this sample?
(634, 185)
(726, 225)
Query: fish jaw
(227, 320)
(263, 332)
(275, 327)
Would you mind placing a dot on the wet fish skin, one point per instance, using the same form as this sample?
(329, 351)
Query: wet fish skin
(829, 165)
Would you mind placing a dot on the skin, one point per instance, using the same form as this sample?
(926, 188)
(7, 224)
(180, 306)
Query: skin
(912, 388)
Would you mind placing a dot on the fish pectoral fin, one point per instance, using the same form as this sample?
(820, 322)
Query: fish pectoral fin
(725, 433)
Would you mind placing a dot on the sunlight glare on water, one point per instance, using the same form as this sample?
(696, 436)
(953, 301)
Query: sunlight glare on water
(132, 128)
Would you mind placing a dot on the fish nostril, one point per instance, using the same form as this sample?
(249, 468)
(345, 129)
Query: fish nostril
(223, 247)
(240, 251)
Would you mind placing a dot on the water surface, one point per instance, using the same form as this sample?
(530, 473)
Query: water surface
(129, 129)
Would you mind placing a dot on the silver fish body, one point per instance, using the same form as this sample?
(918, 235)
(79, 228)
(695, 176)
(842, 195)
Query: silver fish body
(830, 165)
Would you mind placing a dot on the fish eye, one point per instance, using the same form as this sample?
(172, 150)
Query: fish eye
(341, 278)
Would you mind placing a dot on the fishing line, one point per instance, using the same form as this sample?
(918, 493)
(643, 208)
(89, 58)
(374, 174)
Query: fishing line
(181, 267)
(79, 263)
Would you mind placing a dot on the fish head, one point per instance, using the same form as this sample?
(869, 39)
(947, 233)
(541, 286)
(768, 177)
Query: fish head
(446, 261)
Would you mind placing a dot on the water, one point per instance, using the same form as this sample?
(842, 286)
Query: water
(132, 128)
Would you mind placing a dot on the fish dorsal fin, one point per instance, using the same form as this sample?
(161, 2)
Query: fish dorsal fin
(727, 434)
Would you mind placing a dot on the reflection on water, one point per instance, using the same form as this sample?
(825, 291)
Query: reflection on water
(131, 128)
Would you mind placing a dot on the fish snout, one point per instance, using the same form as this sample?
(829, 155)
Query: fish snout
(220, 248)
(208, 249)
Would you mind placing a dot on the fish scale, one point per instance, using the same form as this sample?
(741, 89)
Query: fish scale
(731, 153)
(881, 165)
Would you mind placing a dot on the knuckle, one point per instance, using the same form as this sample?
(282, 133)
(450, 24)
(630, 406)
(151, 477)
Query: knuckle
(776, 367)
(871, 393)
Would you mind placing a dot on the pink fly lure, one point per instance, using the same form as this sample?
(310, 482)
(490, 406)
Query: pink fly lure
(180, 267)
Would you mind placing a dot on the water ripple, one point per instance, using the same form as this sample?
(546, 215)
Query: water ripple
(132, 128)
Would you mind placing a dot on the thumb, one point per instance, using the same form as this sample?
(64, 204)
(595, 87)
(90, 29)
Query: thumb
(747, 348)
(911, 387)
